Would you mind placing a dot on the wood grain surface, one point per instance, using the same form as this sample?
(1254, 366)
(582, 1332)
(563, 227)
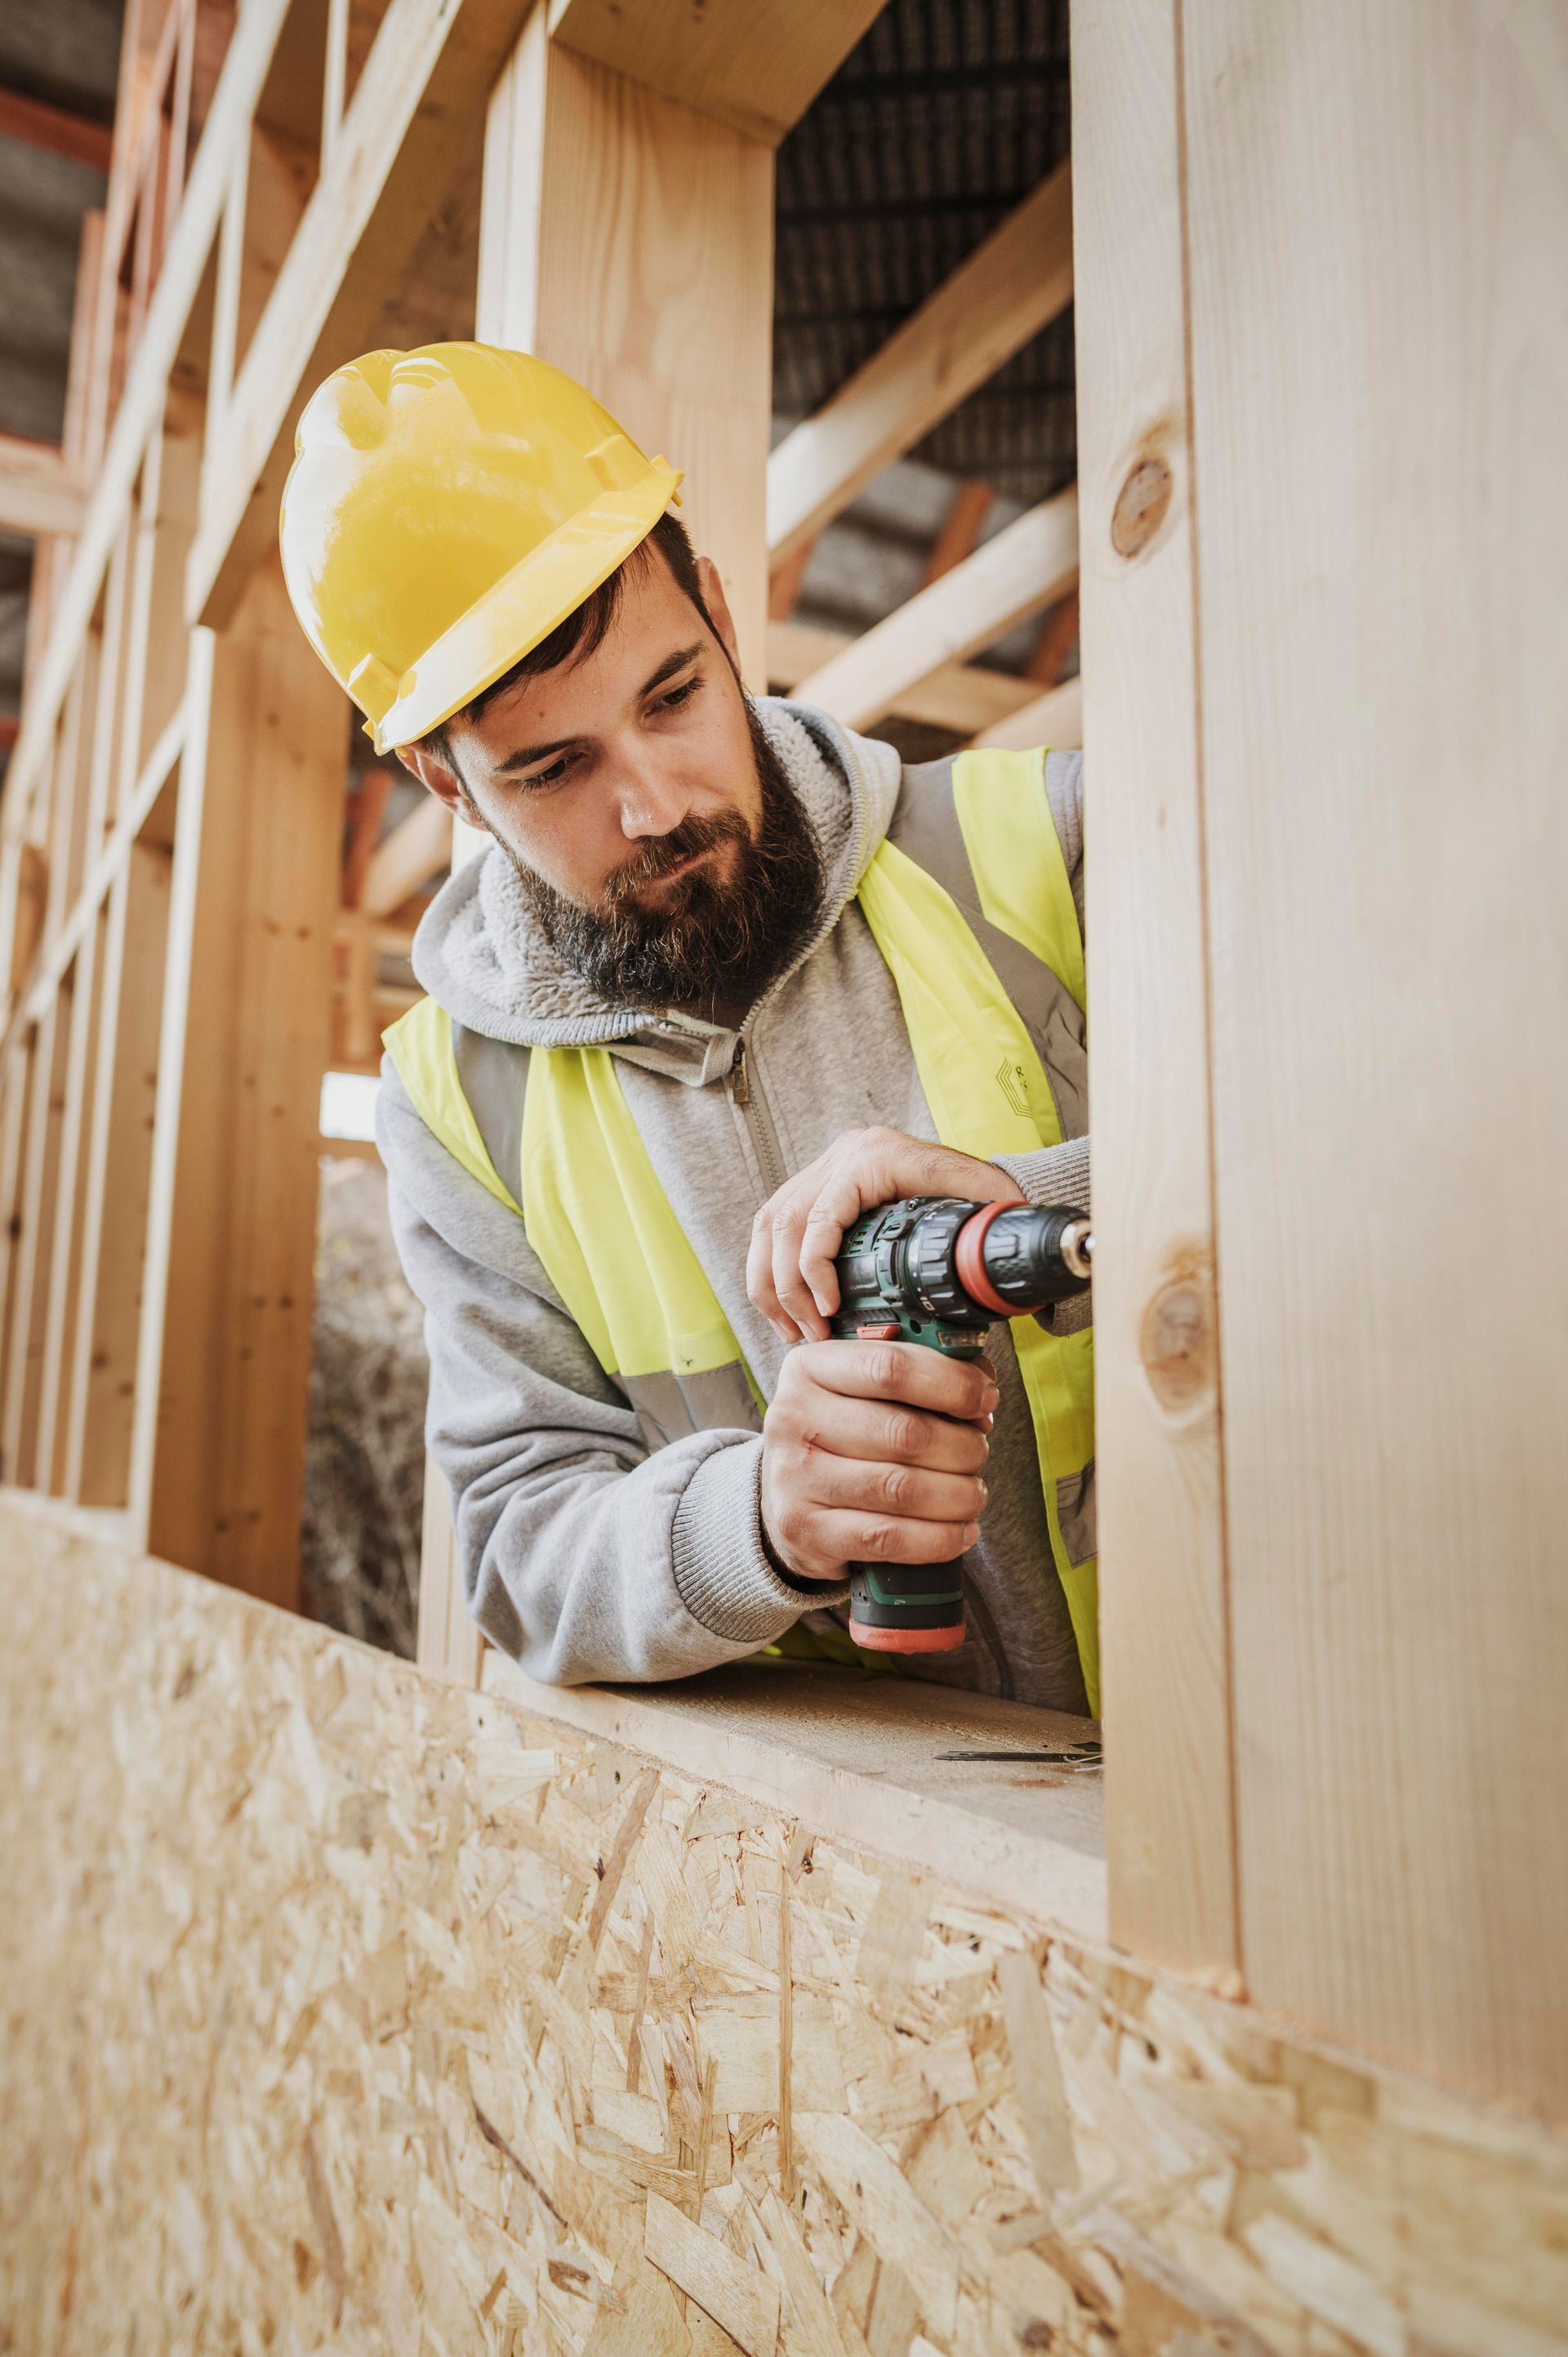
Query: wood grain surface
(1379, 216)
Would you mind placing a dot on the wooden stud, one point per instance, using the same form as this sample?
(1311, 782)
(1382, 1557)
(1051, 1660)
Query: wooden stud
(785, 582)
(960, 530)
(158, 643)
(367, 807)
(651, 281)
(145, 391)
(1382, 614)
(32, 123)
(357, 1042)
(1163, 1607)
(1019, 278)
(406, 138)
(35, 1243)
(59, 1291)
(1026, 567)
(335, 81)
(1054, 647)
(1054, 718)
(418, 847)
(224, 1348)
(16, 1106)
(118, 1172)
(40, 489)
(965, 697)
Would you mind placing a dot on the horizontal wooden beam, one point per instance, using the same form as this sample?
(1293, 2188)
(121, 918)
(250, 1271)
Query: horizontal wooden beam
(1027, 566)
(416, 115)
(1006, 292)
(959, 696)
(1054, 718)
(418, 847)
(40, 492)
(753, 64)
(33, 122)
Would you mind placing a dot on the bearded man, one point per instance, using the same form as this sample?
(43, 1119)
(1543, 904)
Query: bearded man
(727, 975)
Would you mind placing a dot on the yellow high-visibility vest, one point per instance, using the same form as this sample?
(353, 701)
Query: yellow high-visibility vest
(603, 1227)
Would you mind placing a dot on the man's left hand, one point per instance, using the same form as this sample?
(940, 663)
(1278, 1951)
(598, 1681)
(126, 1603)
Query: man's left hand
(795, 1237)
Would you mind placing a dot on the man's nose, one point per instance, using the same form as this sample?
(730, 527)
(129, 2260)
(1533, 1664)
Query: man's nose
(652, 803)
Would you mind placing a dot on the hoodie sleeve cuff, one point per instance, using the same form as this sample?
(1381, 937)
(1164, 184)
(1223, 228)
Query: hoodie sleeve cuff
(722, 1571)
(1055, 1174)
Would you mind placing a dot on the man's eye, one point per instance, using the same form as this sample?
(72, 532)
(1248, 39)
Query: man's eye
(553, 775)
(679, 696)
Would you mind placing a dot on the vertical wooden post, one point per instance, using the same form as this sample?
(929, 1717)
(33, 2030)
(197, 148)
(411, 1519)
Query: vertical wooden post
(103, 1364)
(1163, 1609)
(1378, 217)
(223, 1362)
(629, 240)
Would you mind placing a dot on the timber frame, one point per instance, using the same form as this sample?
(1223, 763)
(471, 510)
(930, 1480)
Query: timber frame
(1330, 1471)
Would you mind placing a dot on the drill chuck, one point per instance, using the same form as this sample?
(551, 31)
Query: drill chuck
(939, 1271)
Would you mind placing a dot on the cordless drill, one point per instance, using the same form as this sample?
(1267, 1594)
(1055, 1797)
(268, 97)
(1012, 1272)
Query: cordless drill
(935, 1270)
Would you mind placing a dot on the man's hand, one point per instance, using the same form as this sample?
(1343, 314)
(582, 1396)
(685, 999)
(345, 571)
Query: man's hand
(795, 1237)
(860, 1462)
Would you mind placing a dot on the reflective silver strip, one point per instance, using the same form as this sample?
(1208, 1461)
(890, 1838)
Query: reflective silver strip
(494, 1075)
(925, 829)
(670, 1406)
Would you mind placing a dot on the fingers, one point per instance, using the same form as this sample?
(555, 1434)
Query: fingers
(900, 1493)
(885, 1432)
(846, 1538)
(901, 1370)
(797, 1234)
(838, 1205)
(853, 1468)
(790, 1289)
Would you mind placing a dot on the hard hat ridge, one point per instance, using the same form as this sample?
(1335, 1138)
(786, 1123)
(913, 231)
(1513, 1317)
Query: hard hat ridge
(448, 508)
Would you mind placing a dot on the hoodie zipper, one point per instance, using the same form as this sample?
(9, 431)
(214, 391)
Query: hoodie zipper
(746, 1091)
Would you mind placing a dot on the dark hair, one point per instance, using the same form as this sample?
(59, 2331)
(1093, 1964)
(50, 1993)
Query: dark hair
(586, 629)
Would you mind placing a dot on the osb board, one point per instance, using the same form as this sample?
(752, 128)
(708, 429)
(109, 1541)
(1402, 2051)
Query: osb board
(347, 2011)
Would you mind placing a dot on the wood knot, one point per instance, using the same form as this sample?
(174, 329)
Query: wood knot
(1176, 1344)
(1140, 506)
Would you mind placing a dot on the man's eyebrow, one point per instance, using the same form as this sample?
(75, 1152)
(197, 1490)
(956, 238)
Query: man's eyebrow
(526, 755)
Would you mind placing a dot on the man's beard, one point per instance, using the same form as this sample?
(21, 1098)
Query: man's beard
(707, 941)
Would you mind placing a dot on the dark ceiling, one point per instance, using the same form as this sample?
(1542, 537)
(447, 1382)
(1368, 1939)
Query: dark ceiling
(943, 120)
(67, 53)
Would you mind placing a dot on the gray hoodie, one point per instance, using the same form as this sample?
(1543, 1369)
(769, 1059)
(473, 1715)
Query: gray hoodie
(586, 1554)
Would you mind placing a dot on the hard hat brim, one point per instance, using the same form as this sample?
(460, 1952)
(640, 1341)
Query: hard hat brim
(522, 608)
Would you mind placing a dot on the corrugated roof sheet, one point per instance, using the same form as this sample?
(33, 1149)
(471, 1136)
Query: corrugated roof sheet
(943, 120)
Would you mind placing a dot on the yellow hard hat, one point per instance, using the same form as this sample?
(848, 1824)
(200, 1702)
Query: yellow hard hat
(446, 510)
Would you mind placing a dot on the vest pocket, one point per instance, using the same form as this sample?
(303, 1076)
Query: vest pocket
(1075, 1514)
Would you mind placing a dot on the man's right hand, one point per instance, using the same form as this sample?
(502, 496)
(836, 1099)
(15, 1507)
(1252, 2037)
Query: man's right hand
(874, 1452)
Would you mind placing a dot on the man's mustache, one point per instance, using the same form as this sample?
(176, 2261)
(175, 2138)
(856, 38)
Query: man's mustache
(665, 853)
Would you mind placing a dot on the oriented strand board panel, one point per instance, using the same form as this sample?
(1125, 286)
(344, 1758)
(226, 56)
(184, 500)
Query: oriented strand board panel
(1162, 1555)
(1379, 222)
(346, 2011)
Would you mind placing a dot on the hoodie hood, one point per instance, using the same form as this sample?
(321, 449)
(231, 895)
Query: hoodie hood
(482, 953)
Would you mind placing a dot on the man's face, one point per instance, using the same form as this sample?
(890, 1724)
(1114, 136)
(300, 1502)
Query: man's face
(649, 820)
(583, 770)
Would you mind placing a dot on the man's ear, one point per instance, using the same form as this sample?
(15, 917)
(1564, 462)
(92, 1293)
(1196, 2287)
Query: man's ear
(441, 779)
(718, 605)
